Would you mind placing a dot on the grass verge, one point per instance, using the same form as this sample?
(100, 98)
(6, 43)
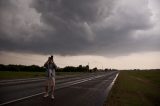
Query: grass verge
(135, 88)
(19, 75)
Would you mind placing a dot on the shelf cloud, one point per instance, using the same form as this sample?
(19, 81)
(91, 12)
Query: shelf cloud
(80, 27)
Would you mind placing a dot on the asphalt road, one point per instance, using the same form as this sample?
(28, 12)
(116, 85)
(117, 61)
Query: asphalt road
(85, 90)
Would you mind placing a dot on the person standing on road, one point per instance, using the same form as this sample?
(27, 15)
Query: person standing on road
(50, 67)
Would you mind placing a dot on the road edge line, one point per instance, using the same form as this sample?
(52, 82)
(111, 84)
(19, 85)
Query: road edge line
(12, 101)
(111, 85)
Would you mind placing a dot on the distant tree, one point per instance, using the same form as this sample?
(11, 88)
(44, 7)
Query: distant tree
(95, 69)
(35, 68)
(32, 68)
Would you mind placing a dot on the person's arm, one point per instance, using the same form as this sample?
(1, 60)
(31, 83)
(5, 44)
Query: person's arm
(46, 63)
(55, 66)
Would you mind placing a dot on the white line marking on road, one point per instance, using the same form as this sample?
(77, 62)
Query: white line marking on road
(18, 82)
(21, 98)
(110, 86)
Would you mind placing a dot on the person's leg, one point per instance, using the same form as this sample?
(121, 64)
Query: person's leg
(46, 88)
(52, 87)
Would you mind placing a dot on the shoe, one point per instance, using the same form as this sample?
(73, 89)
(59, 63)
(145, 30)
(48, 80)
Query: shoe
(52, 96)
(45, 95)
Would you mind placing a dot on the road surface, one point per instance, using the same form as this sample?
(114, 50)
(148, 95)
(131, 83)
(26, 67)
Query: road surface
(85, 90)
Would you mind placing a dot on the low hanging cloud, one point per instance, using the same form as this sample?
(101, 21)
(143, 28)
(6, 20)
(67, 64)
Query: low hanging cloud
(83, 27)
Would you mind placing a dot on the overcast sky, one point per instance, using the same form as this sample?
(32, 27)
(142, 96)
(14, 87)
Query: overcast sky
(104, 33)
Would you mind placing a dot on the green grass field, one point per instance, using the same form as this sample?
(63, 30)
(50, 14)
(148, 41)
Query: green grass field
(135, 88)
(19, 75)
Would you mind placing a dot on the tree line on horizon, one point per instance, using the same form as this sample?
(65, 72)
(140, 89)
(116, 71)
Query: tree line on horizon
(36, 68)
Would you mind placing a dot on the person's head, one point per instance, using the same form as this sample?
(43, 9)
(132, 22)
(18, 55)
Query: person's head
(51, 56)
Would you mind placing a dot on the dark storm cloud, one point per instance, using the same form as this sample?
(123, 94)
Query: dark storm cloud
(76, 27)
